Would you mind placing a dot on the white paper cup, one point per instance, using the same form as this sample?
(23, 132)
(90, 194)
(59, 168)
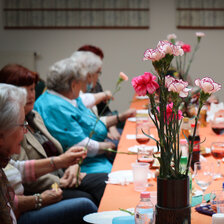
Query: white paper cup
(140, 176)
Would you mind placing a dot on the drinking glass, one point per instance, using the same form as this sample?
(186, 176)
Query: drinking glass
(217, 124)
(145, 155)
(140, 176)
(217, 151)
(142, 126)
(203, 175)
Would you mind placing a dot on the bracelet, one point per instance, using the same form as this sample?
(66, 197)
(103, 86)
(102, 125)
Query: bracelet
(118, 120)
(52, 163)
(39, 200)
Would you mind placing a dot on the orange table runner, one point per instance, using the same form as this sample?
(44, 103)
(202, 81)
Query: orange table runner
(117, 196)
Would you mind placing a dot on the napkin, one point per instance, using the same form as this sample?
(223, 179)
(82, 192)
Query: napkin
(213, 109)
(131, 136)
(119, 181)
(121, 177)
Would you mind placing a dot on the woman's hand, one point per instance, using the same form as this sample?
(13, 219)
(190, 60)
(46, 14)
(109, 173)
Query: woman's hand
(108, 95)
(69, 178)
(128, 113)
(105, 145)
(51, 196)
(70, 157)
(113, 133)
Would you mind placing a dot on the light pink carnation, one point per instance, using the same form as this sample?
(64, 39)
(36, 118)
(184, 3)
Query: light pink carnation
(208, 85)
(169, 48)
(178, 86)
(171, 36)
(153, 54)
(199, 34)
(168, 79)
(123, 76)
(180, 43)
(145, 83)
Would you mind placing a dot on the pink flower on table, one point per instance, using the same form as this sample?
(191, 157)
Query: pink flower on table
(153, 54)
(123, 76)
(199, 34)
(178, 86)
(186, 48)
(208, 85)
(171, 36)
(145, 83)
(169, 113)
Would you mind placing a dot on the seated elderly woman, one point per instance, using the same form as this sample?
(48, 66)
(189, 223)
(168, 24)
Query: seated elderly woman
(92, 63)
(70, 121)
(40, 208)
(38, 143)
(114, 132)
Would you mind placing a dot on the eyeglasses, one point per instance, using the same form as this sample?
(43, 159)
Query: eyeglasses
(24, 126)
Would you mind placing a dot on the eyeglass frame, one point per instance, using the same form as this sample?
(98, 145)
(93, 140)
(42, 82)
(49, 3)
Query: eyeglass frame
(24, 125)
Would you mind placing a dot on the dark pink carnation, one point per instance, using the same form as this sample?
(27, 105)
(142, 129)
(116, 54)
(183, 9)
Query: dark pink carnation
(186, 48)
(169, 111)
(144, 84)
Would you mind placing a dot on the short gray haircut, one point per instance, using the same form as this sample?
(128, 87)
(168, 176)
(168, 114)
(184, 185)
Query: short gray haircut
(88, 60)
(12, 98)
(62, 73)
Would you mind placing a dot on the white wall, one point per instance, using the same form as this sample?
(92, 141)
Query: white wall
(123, 48)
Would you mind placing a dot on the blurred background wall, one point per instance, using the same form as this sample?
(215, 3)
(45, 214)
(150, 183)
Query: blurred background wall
(123, 49)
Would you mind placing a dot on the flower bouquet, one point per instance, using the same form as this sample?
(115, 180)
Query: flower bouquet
(166, 116)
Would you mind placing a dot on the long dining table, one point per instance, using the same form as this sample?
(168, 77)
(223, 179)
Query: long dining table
(124, 196)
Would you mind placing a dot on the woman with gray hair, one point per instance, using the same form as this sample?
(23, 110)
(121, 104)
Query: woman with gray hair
(46, 207)
(70, 121)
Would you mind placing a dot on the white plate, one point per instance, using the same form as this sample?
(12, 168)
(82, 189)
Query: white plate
(142, 97)
(103, 217)
(125, 175)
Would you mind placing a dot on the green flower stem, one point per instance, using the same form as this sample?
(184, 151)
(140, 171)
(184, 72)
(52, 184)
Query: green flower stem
(117, 88)
(191, 59)
(191, 144)
(124, 210)
(114, 151)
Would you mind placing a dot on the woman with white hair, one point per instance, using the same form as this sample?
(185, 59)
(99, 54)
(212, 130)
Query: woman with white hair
(46, 207)
(69, 120)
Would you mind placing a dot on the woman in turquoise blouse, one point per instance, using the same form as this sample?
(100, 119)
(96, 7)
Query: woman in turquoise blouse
(69, 121)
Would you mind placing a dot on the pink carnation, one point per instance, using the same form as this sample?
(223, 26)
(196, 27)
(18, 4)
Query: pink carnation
(186, 48)
(123, 76)
(208, 85)
(169, 113)
(144, 84)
